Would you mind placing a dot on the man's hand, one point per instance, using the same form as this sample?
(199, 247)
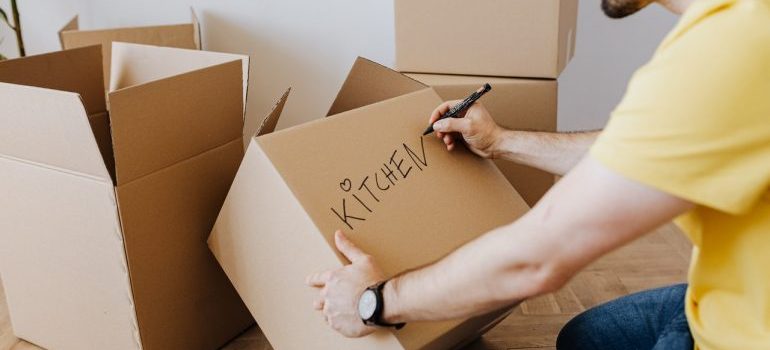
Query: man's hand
(341, 289)
(480, 133)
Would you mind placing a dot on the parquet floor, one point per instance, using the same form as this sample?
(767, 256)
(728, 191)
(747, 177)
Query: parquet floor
(658, 259)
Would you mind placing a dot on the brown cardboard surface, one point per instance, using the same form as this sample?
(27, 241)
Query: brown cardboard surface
(567, 31)
(162, 122)
(100, 126)
(289, 194)
(76, 71)
(271, 120)
(369, 82)
(59, 242)
(73, 24)
(183, 299)
(134, 64)
(405, 212)
(31, 129)
(184, 36)
(518, 104)
(63, 210)
(266, 244)
(523, 38)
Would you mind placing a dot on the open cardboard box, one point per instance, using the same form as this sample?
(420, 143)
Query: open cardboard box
(183, 36)
(511, 38)
(366, 169)
(105, 215)
(516, 104)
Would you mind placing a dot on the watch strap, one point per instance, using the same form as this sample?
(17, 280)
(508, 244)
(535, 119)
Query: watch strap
(376, 318)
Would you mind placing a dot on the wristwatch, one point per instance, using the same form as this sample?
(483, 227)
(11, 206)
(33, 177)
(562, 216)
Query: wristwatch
(371, 306)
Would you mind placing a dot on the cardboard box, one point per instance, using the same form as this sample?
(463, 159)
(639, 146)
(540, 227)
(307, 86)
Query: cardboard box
(366, 169)
(517, 104)
(183, 36)
(105, 215)
(512, 38)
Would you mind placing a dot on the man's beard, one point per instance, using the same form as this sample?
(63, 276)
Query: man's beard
(623, 8)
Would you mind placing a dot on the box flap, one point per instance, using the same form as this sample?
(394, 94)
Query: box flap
(401, 197)
(162, 122)
(134, 64)
(49, 128)
(62, 260)
(369, 82)
(568, 10)
(78, 70)
(183, 299)
(73, 24)
(196, 29)
(175, 35)
(271, 120)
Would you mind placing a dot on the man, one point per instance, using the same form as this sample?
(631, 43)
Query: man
(691, 139)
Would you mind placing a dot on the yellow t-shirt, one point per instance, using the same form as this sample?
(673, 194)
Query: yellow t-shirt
(695, 123)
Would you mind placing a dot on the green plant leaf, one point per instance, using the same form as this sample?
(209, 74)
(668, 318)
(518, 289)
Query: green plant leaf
(2, 58)
(4, 17)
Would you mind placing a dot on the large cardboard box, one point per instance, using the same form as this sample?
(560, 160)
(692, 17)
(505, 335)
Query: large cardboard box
(367, 170)
(516, 104)
(512, 38)
(183, 36)
(105, 215)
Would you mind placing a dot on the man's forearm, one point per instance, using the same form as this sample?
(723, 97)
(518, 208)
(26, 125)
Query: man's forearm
(536, 254)
(555, 153)
(499, 269)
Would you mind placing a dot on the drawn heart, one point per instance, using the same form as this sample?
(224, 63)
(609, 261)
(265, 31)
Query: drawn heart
(345, 185)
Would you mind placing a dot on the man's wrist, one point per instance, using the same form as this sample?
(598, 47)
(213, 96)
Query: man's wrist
(505, 144)
(391, 312)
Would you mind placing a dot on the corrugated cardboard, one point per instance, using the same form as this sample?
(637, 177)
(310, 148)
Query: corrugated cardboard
(183, 36)
(401, 197)
(517, 104)
(99, 252)
(512, 38)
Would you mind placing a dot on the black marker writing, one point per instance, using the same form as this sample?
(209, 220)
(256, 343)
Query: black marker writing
(344, 217)
(386, 178)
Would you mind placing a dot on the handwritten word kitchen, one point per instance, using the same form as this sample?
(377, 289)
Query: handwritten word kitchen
(361, 197)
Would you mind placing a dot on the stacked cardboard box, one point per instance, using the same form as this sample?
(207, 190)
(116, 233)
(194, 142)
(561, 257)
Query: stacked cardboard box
(520, 47)
(105, 213)
(183, 36)
(365, 169)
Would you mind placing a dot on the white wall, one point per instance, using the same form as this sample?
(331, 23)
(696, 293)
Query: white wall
(607, 53)
(40, 21)
(310, 45)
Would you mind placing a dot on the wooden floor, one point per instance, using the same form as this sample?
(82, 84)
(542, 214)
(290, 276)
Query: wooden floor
(658, 259)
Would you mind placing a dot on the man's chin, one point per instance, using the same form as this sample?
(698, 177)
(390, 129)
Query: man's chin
(623, 8)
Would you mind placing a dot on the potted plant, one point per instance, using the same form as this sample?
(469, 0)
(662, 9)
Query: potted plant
(15, 26)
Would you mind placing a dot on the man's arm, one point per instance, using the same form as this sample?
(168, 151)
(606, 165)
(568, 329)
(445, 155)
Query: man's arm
(589, 213)
(555, 153)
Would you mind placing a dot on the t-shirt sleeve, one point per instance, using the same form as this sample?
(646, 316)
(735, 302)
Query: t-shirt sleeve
(695, 121)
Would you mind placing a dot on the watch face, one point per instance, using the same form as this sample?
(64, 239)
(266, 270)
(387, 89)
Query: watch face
(367, 304)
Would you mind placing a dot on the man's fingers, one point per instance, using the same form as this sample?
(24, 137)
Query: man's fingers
(461, 125)
(347, 248)
(318, 279)
(448, 140)
(441, 110)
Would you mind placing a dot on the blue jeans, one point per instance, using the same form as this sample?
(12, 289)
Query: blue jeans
(652, 319)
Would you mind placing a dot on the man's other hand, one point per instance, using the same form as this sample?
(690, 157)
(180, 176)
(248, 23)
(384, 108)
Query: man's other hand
(341, 289)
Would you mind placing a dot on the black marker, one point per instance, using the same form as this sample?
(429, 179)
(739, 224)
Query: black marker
(455, 111)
